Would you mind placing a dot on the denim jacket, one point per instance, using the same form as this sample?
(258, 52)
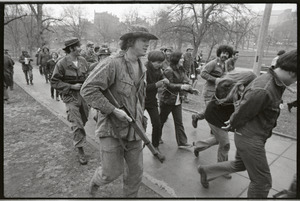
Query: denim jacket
(257, 112)
(116, 74)
(177, 77)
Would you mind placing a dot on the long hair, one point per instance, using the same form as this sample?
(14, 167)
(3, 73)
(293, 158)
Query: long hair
(225, 48)
(175, 57)
(125, 44)
(228, 88)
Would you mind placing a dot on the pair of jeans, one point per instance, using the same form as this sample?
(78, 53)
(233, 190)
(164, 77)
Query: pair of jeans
(112, 166)
(220, 137)
(176, 110)
(28, 75)
(52, 92)
(156, 125)
(77, 115)
(250, 156)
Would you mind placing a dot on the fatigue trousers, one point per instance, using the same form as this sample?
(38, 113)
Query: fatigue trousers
(77, 115)
(176, 110)
(112, 166)
(220, 137)
(250, 156)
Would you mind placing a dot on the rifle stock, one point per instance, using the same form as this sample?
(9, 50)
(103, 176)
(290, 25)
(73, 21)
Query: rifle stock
(133, 123)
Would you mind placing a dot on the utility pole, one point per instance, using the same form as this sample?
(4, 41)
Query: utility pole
(261, 39)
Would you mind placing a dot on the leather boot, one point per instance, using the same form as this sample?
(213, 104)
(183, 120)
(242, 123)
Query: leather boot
(93, 188)
(81, 156)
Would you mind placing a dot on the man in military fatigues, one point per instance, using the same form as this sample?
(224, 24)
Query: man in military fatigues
(68, 75)
(90, 55)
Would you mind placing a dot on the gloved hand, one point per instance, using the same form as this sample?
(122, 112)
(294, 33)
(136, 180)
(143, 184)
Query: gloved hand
(121, 115)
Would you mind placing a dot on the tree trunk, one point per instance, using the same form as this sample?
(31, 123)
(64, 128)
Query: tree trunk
(211, 48)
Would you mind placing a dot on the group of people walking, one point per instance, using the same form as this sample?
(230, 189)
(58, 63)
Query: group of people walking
(234, 101)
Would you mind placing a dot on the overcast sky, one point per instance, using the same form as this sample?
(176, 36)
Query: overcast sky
(147, 10)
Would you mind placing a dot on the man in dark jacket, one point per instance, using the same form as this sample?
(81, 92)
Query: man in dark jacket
(155, 80)
(68, 75)
(25, 60)
(44, 56)
(253, 121)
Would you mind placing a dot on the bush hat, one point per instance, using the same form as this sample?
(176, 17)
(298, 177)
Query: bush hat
(70, 41)
(138, 31)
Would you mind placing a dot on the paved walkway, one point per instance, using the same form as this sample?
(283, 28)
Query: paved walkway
(177, 176)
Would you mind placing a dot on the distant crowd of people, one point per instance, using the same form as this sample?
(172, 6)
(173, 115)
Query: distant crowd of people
(235, 101)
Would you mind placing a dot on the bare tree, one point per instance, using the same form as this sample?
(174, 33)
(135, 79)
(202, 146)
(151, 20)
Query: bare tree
(74, 17)
(43, 22)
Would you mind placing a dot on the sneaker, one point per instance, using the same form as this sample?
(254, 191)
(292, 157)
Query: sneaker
(194, 120)
(203, 177)
(289, 107)
(93, 188)
(227, 176)
(161, 141)
(186, 145)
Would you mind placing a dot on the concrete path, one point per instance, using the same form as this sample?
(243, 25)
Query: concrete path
(177, 176)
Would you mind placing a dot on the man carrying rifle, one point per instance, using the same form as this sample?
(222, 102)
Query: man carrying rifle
(68, 75)
(123, 76)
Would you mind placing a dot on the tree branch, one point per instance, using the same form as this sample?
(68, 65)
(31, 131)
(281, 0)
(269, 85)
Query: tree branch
(5, 23)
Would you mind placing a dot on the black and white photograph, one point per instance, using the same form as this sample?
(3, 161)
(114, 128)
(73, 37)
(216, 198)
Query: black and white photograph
(149, 100)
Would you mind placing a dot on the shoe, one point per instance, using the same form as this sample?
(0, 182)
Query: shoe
(194, 120)
(93, 188)
(161, 141)
(27, 83)
(52, 96)
(227, 176)
(57, 99)
(31, 83)
(203, 177)
(186, 100)
(81, 156)
(186, 145)
(160, 156)
(196, 152)
(289, 107)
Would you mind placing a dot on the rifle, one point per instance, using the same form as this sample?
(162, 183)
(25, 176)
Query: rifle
(74, 81)
(133, 123)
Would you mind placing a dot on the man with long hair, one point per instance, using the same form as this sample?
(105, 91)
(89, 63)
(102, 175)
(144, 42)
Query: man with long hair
(211, 72)
(125, 77)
